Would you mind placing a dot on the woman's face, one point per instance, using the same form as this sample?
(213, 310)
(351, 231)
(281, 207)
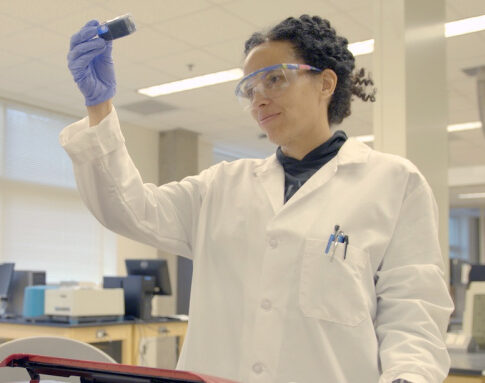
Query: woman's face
(297, 118)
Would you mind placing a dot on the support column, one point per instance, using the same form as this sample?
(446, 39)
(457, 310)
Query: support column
(481, 236)
(181, 154)
(410, 115)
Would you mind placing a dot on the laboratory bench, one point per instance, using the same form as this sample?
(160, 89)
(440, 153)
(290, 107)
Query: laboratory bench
(127, 333)
(467, 367)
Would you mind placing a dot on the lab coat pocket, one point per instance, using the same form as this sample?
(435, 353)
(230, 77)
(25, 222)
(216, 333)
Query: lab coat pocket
(331, 287)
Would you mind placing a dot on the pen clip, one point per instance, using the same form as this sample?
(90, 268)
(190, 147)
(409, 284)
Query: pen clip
(337, 239)
(346, 242)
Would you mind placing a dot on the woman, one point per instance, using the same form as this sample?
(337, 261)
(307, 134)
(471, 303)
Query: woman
(320, 263)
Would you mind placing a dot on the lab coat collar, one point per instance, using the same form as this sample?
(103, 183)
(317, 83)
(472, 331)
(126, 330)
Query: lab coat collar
(272, 174)
(351, 152)
(267, 164)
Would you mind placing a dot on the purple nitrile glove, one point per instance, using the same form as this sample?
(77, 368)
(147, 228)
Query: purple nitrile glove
(91, 65)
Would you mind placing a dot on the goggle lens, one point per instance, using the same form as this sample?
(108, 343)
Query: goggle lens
(268, 83)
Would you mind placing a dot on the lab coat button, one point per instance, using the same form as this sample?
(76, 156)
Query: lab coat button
(266, 304)
(258, 368)
(273, 243)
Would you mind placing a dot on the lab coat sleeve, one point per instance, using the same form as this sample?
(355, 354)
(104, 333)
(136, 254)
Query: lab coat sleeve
(413, 302)
(165, 217)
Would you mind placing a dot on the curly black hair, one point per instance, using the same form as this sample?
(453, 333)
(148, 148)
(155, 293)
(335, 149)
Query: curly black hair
(317, 44)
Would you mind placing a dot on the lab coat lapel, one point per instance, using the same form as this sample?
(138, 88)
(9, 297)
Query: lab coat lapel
(352, 152)
(272, 177)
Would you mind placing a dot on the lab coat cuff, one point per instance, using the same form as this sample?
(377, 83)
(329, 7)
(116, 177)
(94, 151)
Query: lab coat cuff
(84, 143)
(409, 377)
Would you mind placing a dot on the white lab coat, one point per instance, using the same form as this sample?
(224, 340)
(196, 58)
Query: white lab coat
(267, 304)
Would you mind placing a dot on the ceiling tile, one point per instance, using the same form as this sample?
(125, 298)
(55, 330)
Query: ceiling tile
(457, 116)
(364, 17)
(34, 73)
(126, 95)
(146, 44)
(194, 98)
(42, 12)
(189, 64)
(231, 51)
(134, 76)
(40, 42)
(263, 14)
(10, 59)
(69, 90)
(70, 24)
(154, 11)
(51, 99)
(11, 25)
(206, 27)
(220, 2)
(471, 44)
(351, 5)
(452, 13)
(464, 9)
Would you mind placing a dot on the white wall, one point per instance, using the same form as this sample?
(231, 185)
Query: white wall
(142, 145)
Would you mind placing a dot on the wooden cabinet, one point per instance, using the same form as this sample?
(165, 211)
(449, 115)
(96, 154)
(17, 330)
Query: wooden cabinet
(157, 329)
(464, 379)
(128, 333)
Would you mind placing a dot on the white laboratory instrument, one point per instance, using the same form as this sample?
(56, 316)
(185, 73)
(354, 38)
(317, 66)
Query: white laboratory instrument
(84, 302)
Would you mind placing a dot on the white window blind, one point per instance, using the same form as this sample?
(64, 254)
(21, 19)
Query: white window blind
(464, 234)
(43, 223)
(220, 154)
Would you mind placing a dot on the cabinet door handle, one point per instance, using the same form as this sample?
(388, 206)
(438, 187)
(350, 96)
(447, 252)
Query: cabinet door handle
(101, 333)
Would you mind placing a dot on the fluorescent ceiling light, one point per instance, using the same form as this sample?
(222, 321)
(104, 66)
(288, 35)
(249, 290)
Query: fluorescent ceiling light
(362, 47)
(450, 129)
(454, 28)
(464, 126)
(461, 27)
(192, 83)
(471, 195)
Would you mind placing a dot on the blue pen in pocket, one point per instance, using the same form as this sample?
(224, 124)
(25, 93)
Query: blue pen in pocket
(331, 239)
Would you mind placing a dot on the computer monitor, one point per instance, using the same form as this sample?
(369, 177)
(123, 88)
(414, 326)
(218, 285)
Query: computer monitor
(477, 273)
(474, 315)
(20, 281)
(6, 275)
(138, 293)
(157, 268)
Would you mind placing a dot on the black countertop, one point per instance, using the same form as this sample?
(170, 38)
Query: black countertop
(45, 321)
(467, 363)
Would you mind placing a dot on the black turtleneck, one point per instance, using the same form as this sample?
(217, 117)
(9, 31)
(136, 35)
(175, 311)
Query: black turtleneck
(298, 172)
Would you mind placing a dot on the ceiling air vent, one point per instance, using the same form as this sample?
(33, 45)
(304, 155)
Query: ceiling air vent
(148, 107)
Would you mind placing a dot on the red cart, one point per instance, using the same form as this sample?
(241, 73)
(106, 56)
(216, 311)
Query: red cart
(96, 372)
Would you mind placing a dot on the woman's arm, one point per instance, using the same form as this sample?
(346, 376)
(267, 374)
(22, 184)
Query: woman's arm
(97, 113)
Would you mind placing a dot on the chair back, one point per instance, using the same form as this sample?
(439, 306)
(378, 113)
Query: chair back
(49, 346)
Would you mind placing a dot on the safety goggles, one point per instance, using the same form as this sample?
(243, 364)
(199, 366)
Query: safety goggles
(270, 82)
